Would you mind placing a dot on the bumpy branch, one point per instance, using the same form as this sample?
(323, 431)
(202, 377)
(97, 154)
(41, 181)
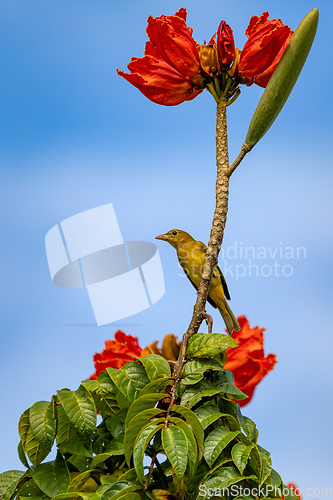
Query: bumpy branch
(217, 231)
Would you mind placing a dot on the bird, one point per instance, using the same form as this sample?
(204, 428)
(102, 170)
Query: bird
(191, 256)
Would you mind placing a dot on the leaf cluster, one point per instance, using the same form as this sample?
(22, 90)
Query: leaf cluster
(141, 447)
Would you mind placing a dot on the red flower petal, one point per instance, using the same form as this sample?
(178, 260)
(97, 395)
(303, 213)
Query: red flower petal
(247, 362)
(267, 40)
(171, 59)
(116, 353)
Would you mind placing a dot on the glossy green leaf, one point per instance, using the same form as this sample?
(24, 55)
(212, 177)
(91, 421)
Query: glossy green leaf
(75, 447)
(103, 392)
(194, 370)
(191, 442)
(225, 477)
(116, 446)
(42, 422)
(9, 481)
(207, 414)
(211, 344)
(24, 426)
(157, 385)
(248, 426)
(240, 455)
(194, 394)
(80, 480)
(216, 441)
(162, 495)
(175, 445)
(35, 450)
(77, 494)
(52, 477)
(141, 444)
(266, 463)
(129, 379)
(283, 79)
(21, 455)
(133, 428)
(195, 424)
(143, 403)
(80, 409)
(156, 366)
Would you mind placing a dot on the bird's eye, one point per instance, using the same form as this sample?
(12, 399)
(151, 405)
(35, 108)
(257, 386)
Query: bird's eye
(174, 233)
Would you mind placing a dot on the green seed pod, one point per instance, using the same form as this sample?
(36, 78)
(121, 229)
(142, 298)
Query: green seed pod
(283, 79)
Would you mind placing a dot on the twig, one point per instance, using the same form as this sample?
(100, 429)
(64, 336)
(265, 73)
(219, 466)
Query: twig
(244, 150)
(209, 321)
(215, 241)
(151, 468)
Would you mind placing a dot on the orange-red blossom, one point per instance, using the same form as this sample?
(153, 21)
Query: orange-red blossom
(175, 68)
(247, 362)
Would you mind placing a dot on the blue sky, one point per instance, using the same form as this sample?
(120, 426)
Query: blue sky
(74, 135)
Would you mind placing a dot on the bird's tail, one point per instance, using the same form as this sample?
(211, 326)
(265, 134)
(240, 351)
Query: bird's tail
(228, 317)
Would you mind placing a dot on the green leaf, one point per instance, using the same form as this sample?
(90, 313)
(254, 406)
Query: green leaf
(68, 439)
(194, 394)
(80, 480)
(103, 392)
(240, 455)
(195, 425)
(157, 385)
(266, 462)
(141, 444)
(207, 414)
(129, 379)
(225, 477)
(52, 477)
(21, 455)
(77, 494)
(156, 366)
(24, 426)
(141, 404)
(133, 428)
(216, 441)
(194, 370)
(80, 408)
(249, 427)
(116, 447)
(9, 481)
(42, 423)
(75, 447)
(283, 79)
(175, 445)
(192, 444)
(209, 345)
(35, 450)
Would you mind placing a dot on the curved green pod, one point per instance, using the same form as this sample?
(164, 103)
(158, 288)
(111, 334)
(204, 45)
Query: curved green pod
(283, 79)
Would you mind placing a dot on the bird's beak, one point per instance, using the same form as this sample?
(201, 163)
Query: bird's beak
(162, 237)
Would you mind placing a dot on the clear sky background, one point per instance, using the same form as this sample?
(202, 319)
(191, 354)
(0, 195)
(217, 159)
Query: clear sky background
(74, 135)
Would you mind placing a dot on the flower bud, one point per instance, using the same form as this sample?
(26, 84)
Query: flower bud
(225, 44)
(209, 60)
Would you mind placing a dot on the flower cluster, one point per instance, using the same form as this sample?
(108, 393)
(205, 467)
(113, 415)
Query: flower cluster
(175, 68)
(247, 362)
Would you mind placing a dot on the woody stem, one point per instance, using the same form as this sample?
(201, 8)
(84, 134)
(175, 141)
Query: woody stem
(216, 235)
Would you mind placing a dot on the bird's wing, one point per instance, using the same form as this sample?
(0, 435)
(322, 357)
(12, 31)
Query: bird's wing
(223, 281)
(218, 272)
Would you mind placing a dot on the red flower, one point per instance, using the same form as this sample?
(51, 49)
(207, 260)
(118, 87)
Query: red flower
(267, 40)
(169, 71)
(247, 362)
(116, 353)
(225, 44)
